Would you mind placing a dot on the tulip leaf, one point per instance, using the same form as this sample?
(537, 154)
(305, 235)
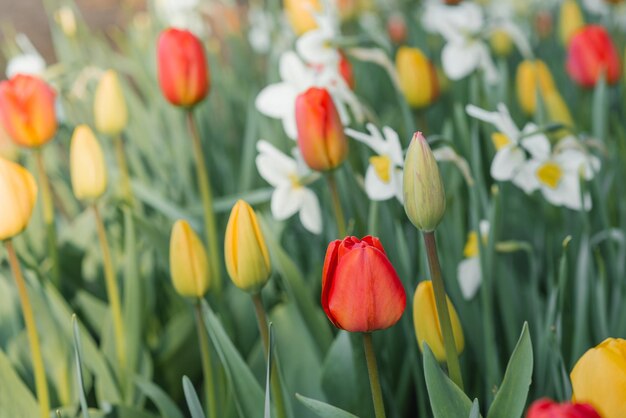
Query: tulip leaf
(268, 374)
(163, 402)
(511, 397)
(78, 355)
(475, 412)
(192, 399)
(446, 399)
(324, 410)
(15, 398)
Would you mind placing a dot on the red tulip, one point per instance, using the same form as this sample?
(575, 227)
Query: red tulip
(361, 291)
(182, 67)
(320, 132)
(27, 110)
(345, 69)
(590, 53)
(545, 408)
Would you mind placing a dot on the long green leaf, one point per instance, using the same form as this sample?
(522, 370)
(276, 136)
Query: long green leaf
(78, 355)
(192, 399)
(324, 410)
(15, 398)
(163, 402)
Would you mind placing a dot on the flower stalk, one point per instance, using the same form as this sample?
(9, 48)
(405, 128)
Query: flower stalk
(125, 186)
(207, 366)
(334, 194)
(372, 370)
(48, 216)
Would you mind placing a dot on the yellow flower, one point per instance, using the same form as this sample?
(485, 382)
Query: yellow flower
(189, 266)
(87, 167)
(557, 109)
(18, 194)
(418, 79)
(570, 20)
(109, 106)
(533, 76)
(247, 258)
(67, 20)
(599, 378)
(426, 322)
(300, 14)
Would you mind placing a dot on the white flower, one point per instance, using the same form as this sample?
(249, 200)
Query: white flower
(383, 178)
(29, 61)
(260, 32)
(317, 45)
(469, 273)
(290, 195)
(610, 12)
(182, 14)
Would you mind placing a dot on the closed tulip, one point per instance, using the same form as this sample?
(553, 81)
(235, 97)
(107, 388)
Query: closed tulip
(245, 251)
(18, 194)
(418, 78)
(321, 139)
(557, 109)
(189, 266)
(533, 76)
(424, 195)
(300, 14)
(109, 106)
(361, 291)
(345, 69)
(87, 166)
(182, 68)
(27, 110)
(591, 54)
(570, 20)
(426, 321)
(599, 378)
(545, 408)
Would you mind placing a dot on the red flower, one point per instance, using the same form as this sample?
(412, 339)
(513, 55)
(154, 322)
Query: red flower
(545, 408)
(590, 53)
(345, 69)
(182, 68)
(27, 110)
(320, 132)
(361, 291)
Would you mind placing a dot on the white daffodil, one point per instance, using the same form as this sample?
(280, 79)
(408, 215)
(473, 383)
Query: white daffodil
(290, 194)
(182, 14)
(29, 61)
(613, 13)
(469, 273)
(260, 31)
(316, 46)
(383, 178)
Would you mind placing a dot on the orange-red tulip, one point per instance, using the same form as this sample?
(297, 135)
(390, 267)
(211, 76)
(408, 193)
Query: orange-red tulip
(182, 67)
(545, 408)
(320, 132)
(361, 291)
(27, 110)
(345, 69)
(591, 53)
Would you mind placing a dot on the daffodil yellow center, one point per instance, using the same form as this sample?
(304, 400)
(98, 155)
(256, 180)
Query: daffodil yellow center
(382, 166)
(550, 174)
(500, 140)
(295, 181)
(471, 246)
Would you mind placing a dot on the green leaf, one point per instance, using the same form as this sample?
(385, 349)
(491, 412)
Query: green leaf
(192, 399)
(475, 412)
(511, 397)
(268, 374)
(163, 402)
(78, 353)
(15, 398)
(324, 410)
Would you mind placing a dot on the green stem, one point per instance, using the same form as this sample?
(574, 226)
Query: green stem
(113, 292)
(48, 217)
(120, 155)
(207, 366)
(261, 317)
(207, 201)
(372, 370)
(452, 359)
(31, 329)
(334, 194)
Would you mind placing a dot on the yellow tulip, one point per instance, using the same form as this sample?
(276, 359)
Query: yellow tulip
(109, 106)
(599, 378)
(67, 20)
(501, 43)
(247, 258)
(570, 20)
(426, 322)
(532, 76)
(87, 166)
(418, 79)
(557, 108)
(300, 14)
(189, 265)
(18, 194)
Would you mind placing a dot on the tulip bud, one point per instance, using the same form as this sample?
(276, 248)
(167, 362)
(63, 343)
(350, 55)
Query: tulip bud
(361, 291)
(66, 20)
(591, 54)
(424, 196)
(557, 108)
(18, 194)
(27, 110)
(189, 266)
(109, 106)
(501, 42)
(87, 167)
(182, 68)
(532, 76)
(321, 139)
(247, 258)
(300, 14)
(570, 20)
(418, 79)
(545, 408)
(345, 69)
(599, 378)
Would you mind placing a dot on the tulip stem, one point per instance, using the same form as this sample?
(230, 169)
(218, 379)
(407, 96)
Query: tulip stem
(261, 317)
(452, 359)
(207, 201)
(113, 292)
(372, 370)
(120, 155)
(207, 366)
(41, 383)
(334, 194)
(48, 217)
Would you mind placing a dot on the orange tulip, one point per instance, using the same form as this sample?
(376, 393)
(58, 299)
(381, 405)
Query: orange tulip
(590, 54)
(183, 71)
(27, 110)
(320, 132)
(361, 291)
